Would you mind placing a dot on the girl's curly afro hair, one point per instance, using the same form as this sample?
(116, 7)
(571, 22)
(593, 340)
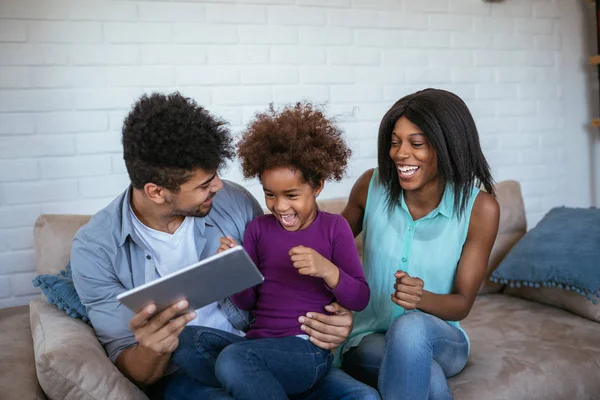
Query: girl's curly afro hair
(299, 137)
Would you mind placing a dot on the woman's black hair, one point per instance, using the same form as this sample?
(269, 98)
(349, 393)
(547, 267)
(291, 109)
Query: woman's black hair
(449, 126)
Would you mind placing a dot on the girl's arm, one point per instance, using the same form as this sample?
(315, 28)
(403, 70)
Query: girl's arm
(472, 266)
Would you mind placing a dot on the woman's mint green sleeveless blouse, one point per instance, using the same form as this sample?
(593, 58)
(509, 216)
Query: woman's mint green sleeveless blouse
(428, 248)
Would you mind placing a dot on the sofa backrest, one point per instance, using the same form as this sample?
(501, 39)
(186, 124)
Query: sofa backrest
(54, 232)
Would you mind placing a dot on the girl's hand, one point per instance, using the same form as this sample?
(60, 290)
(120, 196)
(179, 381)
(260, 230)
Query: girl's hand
(309, 262)
(226, 244)
(408, 291)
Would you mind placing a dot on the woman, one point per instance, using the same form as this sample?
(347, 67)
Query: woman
(428, 232)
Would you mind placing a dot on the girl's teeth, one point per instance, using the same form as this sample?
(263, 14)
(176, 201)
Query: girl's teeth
(288, 220)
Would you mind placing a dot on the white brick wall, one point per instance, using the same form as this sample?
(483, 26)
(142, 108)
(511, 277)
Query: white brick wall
(70, 69)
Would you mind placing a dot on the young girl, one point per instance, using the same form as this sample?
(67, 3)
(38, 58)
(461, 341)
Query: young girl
(308, 257)
(428, 232)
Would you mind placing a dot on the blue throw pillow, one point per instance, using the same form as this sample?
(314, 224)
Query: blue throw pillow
(562, 251)
(59, 290)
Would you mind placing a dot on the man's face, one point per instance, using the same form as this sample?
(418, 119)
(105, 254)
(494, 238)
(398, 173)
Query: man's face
(194, 198)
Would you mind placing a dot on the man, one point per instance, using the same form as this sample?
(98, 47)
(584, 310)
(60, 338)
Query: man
(172, 215)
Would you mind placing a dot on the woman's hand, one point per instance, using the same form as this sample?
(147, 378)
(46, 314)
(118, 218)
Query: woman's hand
(328, 331)
(408, 291)
(226, 243)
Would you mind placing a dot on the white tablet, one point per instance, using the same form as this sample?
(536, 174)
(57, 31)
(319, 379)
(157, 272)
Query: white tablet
(205, 282)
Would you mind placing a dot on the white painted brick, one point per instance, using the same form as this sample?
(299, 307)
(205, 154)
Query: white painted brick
(470, 41)
(13, 31)
(269, 75)
(482, 108)
(378, 38)
(21, 284)
(367, 149)
(537, 91)
(393, 93)
(35, 100)
(362, 130)
(103, 11)
(173, 54)
(515, 74)
(519, 141)
(316, 36)
(15, 77)
(547, 43)
(268, 35)
(154, 76)
(534, 124)
(496, 92)
(377, 4)
(490, 126)
(498, 158)
(426, 40)
(94, 143)
(522, 9)
(141, 32)
(51, 77)
(451, 23)
(551, 139)
(20, 238)
(494, 25)
(72, 167)
(356, 94)
(540, 187)
(291, 94)
(428, 76)
(235, 14)
(430, 6)
(546, 9)
(207, 75)
(106, 99)
(88, 207)
(232, 116)
(355, 56)
(239, 54)
(18, 54)
(36, 146)
(5, 287)
(514, 108)
(536, 26)
(513, 42)
(370, 112)
(402, 20)
(171, 12)
(489, 143)
(324, 3)
(326, 75)
(34, 9)
(65, 32)
(242, 95)
(451, 58)
(386, 75)
(470, 7)
(405, 57)
(105, 55)
(13, 124)
(39, 192)
(18, 216)
(201, 94)
(353, 18)
(70, 122)
(17, 261)
(465, 91)
(297, 16)
(18, 170)
(298, 55)
(103, 186)
(118, 164)
(550, 107)
(473, 75)
(115, 120)
(514, 58)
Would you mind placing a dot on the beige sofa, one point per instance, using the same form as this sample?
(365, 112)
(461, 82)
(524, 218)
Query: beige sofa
(520, 349)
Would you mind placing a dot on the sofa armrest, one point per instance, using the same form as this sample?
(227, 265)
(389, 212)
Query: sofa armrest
(70, 362)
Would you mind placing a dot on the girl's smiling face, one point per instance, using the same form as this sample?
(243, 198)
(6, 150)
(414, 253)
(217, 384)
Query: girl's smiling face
(291, 199)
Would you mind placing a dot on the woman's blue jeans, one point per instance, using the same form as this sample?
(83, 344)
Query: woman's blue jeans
(412, 360)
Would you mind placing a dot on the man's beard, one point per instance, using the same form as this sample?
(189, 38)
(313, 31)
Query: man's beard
(197, 212)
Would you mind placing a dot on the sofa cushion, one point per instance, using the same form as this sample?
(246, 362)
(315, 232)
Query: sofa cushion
(70, 362)
(17, 366)
(561, 251)
(526, 350)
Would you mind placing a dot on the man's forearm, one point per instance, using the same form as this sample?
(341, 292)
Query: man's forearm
(142, 368)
